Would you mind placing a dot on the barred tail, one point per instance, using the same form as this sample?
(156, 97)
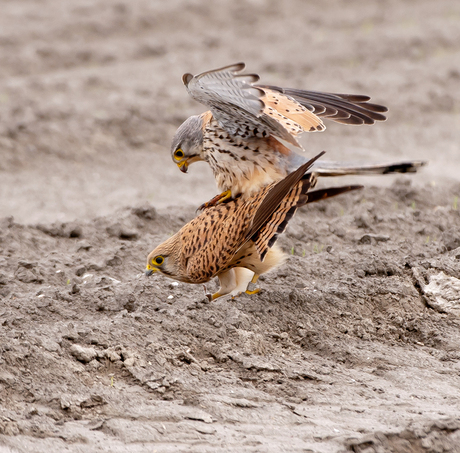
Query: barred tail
(324, 168)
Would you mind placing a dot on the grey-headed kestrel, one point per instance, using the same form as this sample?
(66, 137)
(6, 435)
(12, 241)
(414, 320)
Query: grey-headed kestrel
(235, 240)
(248, 134)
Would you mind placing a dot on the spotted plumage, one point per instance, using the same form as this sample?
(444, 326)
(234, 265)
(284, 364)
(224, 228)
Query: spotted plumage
(249, 135)
(235, 240)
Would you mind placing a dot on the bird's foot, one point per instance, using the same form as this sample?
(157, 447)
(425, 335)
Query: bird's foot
(218, 199)
(252, 285)
(214, 296)
(249, 292)
(252, 289)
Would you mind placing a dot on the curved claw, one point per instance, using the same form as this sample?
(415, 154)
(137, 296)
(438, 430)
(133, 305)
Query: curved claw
(254, 291)
(221, 198)
(206, 294)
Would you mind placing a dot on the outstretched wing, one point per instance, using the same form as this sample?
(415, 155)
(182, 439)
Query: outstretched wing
(237, 104)
(352, 109)
(247, 110)
(226, 87)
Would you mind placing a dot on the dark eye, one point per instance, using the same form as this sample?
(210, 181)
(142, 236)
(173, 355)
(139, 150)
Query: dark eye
(159, 260)
(179, 153)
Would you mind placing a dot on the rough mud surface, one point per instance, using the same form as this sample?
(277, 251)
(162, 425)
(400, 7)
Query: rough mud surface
(352, 345)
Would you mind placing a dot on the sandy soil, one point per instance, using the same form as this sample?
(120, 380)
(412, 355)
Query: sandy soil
(353, 345)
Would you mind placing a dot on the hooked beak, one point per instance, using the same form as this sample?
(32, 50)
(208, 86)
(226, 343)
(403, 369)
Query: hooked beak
(183, 166)
(184, 163)
(149, 270)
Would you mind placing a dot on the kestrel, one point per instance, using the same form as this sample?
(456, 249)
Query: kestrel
(248, 134)
(235, 240)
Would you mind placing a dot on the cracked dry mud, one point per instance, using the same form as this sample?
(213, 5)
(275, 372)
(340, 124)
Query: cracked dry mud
(351, 346)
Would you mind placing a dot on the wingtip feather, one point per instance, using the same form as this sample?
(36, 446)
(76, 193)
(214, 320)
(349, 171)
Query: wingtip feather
(186, 78)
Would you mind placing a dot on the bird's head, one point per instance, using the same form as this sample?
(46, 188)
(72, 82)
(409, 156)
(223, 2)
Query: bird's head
(166, 259)
(187, 144)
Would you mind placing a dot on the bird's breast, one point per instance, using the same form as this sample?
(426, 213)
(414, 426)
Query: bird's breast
(242, 166)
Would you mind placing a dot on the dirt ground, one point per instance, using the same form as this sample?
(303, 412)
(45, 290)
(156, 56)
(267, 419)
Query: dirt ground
(352, 345)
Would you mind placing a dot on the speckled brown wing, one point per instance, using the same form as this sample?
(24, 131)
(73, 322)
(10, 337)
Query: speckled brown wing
(276, 195)
(217, 239)
(266, 237)
(210, 240)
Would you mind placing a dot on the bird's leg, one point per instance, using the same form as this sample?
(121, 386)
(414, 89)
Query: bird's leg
(252, 289)
(243, 278)
(227, 281)
(221, 198)
(234, 281)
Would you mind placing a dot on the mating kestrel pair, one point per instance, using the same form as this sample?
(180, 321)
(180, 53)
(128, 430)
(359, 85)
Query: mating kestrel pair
(235, 240)
(247, 137)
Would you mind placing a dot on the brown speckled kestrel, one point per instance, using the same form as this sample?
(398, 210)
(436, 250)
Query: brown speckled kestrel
(247, 135)
(234, 240)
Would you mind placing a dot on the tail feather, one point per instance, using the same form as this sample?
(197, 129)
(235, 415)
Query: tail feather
(324, 168)
(333, 168)
(322, 194)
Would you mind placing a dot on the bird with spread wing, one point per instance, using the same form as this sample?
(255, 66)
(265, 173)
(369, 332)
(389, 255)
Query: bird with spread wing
(249, 135)
(235, 240)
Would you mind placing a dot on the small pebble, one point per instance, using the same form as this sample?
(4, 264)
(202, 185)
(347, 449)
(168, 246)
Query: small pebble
(83, 354)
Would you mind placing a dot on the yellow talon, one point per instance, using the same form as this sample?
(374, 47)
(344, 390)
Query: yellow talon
(218, 199)
(224, 196)
(252, 289)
